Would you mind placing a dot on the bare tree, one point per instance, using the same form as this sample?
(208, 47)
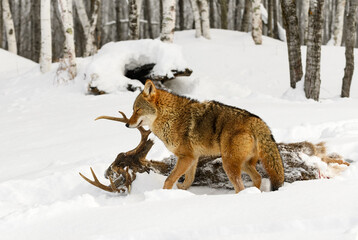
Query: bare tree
(196, 14)
(304, 20)
(338, 23)
(67, 69)
(133, 20)
(314, 41)
(9, 27)
(223, 12)
(350, 42)
(88, 26)
(256, 22)
(46, 42)
(201, 18)
(293, 40)
(168, 23)
(246, 16)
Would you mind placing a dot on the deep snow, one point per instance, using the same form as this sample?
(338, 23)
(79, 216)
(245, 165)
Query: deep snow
(48, 135)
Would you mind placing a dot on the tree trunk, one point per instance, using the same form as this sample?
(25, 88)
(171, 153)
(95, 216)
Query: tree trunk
(196, 14)
(133, 20)
(91, 47)
(204, 14)
(1, 27)
(181, 14)
(212, 14)
(293, 40)
(304, 20)
(238, 9)
(223, 11)
(314, 42)
(350, 42)
(275, 20)
(168, 24)
(118, 19)
(256, 22)
(67, 69)
(46, 42)
(9, 27)
(338, 23)
(36, 30)
(148, 9)
(269, 16)
(246, 18)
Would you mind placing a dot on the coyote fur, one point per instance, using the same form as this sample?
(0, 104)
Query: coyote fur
(191, 129)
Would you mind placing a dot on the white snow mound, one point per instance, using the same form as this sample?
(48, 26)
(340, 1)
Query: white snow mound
(107, 68)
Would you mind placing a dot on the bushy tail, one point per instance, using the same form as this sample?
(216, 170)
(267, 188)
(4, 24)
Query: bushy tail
(271, 159)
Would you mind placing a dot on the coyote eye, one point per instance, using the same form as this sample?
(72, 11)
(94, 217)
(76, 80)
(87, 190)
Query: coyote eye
(137, 110)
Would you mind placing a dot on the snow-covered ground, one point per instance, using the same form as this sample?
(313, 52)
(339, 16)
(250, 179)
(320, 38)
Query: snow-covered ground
(47, 136)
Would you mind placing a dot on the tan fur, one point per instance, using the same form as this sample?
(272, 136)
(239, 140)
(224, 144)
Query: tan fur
(191, 129)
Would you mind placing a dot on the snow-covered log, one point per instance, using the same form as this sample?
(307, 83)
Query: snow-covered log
(108, 70)
(67, 69)
(168, 24)
(46, 40)
(9, 27)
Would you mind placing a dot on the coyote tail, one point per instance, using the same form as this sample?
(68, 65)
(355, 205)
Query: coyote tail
(271, 160)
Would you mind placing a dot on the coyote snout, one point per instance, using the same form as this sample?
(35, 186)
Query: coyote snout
(191, 129)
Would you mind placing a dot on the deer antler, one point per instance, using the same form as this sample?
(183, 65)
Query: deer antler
(98, 184)
(144, 133)
(130, 157)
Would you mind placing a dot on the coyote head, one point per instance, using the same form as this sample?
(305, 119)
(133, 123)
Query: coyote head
(144, 110)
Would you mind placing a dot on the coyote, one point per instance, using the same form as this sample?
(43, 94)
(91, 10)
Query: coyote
(191, 129)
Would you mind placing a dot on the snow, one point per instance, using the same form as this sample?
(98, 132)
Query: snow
(48, 135)
(120, 56)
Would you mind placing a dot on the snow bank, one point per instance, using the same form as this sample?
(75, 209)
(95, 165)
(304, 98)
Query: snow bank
(107, 68)
(48, 135)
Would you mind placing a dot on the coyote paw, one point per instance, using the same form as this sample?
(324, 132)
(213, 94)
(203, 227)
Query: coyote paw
(182, 186)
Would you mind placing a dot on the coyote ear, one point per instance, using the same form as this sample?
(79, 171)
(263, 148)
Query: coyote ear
(149, 89)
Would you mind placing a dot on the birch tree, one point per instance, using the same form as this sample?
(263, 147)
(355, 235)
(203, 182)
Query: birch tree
(338, 23)
(9, 27)
(205, 22)
(314, 41)
(88, 26)
(46, 41)
(256, 22)
(133, 20)
(67, 69)
(293, 40)
(168, 23)
(201, 18)
(304, 20)
(350, 42)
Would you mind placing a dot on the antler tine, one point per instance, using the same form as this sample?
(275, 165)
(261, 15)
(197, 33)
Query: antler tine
(100, 185)
(124, 118)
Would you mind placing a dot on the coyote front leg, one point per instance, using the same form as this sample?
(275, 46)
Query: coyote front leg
(182, 166)
(189, 176)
